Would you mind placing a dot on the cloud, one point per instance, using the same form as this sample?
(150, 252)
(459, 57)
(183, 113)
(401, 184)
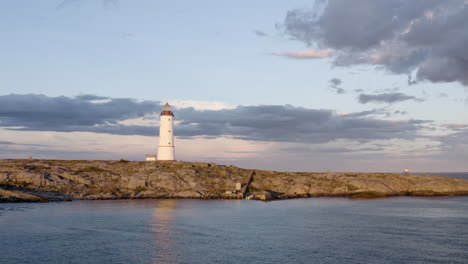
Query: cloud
(457, 126)
(335, 83)
(387, 90)
(283, 123)
(372, 112)
(201, 105)
(454, 146)
(260, 33)
(9, 143)
(307, 54)
(90, 97)
(426, 36)
(411, 81)
(66, 3)
(312, 150)
(43, 113)
(278, 123)
(339, 90)
(399, 112)
(388, 98)
(106, 3)
(110, 3)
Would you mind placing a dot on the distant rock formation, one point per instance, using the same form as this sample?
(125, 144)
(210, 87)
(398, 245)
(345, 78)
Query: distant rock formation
(56, 180)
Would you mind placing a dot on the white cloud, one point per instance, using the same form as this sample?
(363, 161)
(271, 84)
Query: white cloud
(306, 54)
(88, 145)
(200, 105)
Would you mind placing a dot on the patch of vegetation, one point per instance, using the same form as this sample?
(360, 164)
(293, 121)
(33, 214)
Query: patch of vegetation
(123, 161)
(252, 189)
(140, 189)
(352, 187)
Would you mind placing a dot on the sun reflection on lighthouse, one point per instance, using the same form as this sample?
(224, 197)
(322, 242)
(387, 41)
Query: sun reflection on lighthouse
(166, 149)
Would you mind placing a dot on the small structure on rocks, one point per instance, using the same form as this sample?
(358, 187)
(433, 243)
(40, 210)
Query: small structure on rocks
(151, 157)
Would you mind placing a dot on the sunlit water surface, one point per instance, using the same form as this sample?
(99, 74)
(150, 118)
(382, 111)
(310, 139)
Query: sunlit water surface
(314, 230)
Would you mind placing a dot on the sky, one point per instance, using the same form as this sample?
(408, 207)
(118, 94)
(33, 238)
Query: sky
(365, 85)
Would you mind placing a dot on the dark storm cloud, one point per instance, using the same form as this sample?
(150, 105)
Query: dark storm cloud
(281, 123)
(388, 98)
(335, 84)
(43, 113)
(291, 124)
(428, 36)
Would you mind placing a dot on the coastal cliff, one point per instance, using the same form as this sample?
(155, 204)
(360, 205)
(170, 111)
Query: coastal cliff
(57, 180)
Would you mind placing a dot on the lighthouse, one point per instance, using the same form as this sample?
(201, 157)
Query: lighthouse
(166, 149)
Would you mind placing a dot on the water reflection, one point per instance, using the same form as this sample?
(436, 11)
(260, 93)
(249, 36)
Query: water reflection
(397, 230)
(163, 228)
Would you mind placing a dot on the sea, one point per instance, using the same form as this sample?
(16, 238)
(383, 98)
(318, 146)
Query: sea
(312, 230)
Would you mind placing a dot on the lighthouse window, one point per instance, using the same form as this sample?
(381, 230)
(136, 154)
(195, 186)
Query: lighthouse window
(169, 131)
(169, 119)
(169, 143)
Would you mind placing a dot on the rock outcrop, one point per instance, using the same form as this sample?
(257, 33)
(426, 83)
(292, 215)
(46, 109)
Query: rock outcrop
(46, 180)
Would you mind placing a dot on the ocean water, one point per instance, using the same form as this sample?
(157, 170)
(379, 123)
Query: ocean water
(314, 230)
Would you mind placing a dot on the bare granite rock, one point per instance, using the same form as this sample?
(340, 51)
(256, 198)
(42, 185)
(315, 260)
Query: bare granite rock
(18, 196)
(49, 180)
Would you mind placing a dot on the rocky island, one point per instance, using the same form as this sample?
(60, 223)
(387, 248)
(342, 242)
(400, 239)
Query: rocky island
(61, 180)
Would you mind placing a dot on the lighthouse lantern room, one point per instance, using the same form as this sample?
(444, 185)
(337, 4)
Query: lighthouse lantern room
(166, 149)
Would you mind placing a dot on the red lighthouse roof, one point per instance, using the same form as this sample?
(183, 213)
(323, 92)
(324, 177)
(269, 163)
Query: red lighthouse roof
(167, 110)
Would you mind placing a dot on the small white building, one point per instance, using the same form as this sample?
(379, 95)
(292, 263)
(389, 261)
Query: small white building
(151, 158)
(238, 186)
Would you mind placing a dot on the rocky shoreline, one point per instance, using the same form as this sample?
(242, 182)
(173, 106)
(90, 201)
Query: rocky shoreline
(66, 180)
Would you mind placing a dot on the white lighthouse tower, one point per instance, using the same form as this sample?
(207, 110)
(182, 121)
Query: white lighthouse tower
(166, 149)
